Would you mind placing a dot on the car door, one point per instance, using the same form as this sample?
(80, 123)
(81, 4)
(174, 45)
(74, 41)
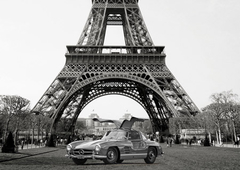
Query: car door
(134, 147)
(139, 148)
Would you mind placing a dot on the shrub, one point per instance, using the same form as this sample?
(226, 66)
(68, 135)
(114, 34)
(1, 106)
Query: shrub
(206, 141)
(8, 146)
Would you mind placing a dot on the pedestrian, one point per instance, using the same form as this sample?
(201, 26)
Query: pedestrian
(170, 142)
(238, 141)
(83, 136)
(190, 143)
(1, 142)
(22, 144)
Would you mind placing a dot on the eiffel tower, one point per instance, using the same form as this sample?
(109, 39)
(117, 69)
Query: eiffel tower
(136, 70)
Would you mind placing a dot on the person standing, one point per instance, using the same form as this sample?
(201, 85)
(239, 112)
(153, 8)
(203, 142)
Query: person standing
(238, 141)
(170, 141)
(22, 144)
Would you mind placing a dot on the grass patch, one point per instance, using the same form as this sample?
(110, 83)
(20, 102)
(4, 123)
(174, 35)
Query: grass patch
(175, 157)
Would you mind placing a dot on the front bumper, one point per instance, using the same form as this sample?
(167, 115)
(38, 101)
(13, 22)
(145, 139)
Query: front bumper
(93, 156)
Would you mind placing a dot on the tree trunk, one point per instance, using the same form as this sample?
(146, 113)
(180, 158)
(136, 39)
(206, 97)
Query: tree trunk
(32, 137)
(16, 137)
(220, 136)
(6, 130)
(234, 132)
(210, 138)
(42, 133)
(217, 137)
(16, 133)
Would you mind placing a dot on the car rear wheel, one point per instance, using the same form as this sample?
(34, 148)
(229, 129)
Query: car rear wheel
(151, 156)
(112, 156)
(79, 161)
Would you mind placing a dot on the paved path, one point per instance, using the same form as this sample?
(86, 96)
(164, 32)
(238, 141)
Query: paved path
(228, 146)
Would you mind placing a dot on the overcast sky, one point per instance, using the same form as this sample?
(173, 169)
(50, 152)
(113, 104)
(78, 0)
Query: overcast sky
(201, 39)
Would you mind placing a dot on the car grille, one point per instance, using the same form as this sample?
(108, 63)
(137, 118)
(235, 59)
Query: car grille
(82, 152)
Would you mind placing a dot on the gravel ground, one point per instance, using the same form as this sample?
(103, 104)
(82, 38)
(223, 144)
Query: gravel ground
(176, 157)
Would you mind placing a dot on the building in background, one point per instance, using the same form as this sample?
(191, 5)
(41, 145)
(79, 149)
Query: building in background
(90, 122)
(126, 116)
(97, 128)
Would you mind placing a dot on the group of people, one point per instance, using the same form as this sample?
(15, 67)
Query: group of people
(39, 143)
(169, 140)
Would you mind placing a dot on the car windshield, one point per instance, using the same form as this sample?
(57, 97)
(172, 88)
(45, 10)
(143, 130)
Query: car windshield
(117, 135)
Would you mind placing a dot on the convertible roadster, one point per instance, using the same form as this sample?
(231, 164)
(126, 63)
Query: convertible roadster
(122, 143)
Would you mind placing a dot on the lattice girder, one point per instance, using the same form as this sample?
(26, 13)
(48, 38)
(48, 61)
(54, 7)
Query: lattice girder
(112, 12)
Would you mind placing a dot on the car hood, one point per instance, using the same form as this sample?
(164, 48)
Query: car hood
(86, 145)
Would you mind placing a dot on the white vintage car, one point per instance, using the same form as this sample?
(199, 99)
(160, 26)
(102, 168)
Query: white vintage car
(117, 145)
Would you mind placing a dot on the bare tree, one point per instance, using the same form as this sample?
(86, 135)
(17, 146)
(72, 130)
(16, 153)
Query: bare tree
(224, 97)
(232, 114)
(13, 109)
(224, 108)
(44, 124)
(205, 121)
(216, 112)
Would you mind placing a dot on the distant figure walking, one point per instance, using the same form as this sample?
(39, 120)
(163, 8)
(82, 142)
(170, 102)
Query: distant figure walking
(22, 144)
(170, 141)
(190, 143)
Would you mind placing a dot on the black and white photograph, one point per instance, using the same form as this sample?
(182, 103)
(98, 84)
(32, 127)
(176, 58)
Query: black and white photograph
(120, 84)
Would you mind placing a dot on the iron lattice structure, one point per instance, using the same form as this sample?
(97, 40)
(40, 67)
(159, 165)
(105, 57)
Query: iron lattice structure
(137, 70)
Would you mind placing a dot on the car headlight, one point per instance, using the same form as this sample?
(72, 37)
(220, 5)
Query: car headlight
(69, 147)
(97, 148)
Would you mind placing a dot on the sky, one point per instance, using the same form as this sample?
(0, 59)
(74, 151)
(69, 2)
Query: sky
(201, 39)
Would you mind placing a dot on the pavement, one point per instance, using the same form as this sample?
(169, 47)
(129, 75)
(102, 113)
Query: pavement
(30, 146)
(27, 152)
(228, 146)
(225, 145)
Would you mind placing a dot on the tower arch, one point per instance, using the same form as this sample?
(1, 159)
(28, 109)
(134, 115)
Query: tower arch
(137, 90)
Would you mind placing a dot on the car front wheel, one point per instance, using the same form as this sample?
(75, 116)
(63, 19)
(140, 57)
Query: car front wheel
(112, 156)
(151, 156)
